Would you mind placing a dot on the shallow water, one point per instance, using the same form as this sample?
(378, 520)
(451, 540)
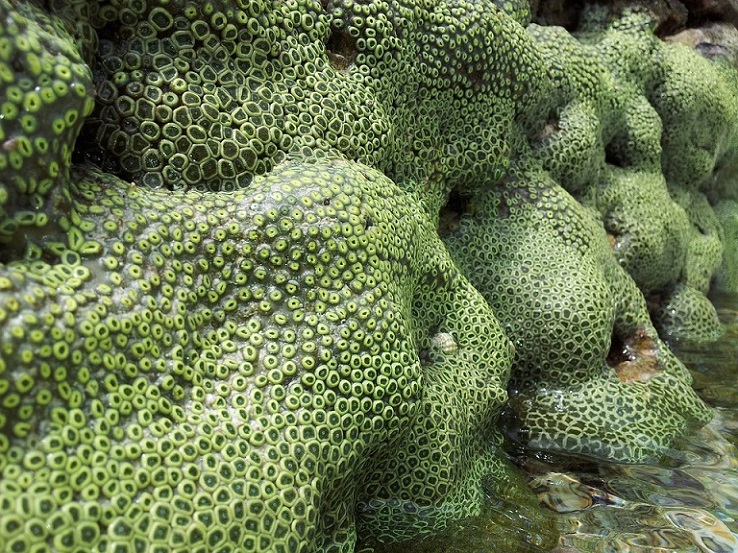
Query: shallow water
(688, 502)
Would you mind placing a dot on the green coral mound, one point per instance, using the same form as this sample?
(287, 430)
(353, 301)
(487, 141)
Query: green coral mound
(45, 94)
(498, 526)
(230, 370)
(227, 318)
(706, 241)
(438, 469)
(208, 95)
(636, 127)
(649, 231)
(696, 100)
(590, 374)
(726, 277)
(686, 314)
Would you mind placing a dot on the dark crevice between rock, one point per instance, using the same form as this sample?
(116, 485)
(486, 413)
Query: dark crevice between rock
(27, 236)
(712, 51)
(457, 205)
(653, 303)
(341, 50)
(614, 156)
(634, 358)
(704, 12)
(614, 227)
(562, 13)
(90, 149)
(612, 239)
(702, 230)
(668, 15)
(550, 128)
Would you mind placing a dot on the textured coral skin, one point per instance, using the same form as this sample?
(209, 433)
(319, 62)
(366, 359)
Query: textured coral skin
(639, 129)
(189, 380)
(228, 320)
(578, 305)
(46, 95)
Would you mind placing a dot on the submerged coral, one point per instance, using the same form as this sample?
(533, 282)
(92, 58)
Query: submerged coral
(227, 315)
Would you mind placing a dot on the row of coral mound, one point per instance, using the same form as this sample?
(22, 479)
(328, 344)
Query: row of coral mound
(270, 270)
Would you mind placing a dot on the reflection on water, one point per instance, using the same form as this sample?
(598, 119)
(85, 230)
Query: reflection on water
(687, 503)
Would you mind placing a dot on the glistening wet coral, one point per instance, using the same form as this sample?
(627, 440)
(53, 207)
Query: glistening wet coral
(566, 313)
(231, 370)
(632, 128)
(227, 318)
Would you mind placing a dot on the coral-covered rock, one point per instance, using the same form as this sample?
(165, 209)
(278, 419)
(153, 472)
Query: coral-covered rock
(227, 318)
(686, 314)
(236, 369)
(590, 374)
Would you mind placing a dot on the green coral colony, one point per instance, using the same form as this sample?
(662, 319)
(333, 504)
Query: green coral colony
(270, 270)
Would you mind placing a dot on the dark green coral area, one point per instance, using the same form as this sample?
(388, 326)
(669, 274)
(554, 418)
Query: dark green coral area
(284, 276)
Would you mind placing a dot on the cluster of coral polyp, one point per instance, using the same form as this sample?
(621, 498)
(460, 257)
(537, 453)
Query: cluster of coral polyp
(270, 270)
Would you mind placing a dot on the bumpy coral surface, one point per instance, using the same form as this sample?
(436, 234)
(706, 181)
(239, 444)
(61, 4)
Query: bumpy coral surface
(636, 128)
(726, 276)
(45, 95)
(209, 95)
(648, 229)
(686, 314)
(228, 370)
(590, 374)
(227, 319)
